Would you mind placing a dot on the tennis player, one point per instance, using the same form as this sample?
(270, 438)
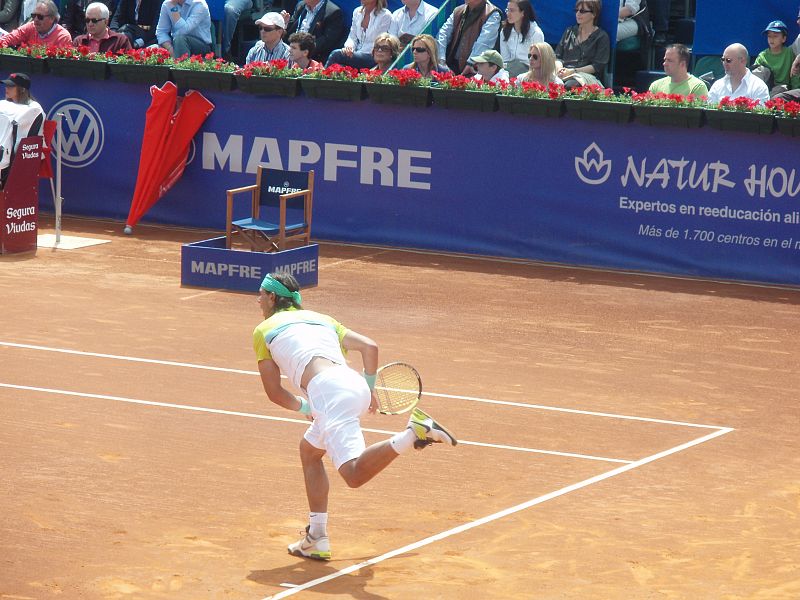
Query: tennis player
(308, 348)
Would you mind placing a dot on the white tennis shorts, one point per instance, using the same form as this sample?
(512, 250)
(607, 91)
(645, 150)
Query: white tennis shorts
(338, 397)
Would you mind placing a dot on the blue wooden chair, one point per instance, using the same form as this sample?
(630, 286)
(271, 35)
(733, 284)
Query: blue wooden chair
(280, 210)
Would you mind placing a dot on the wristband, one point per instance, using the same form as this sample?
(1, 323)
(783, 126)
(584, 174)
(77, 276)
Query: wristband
(305, 407)
(370, 379)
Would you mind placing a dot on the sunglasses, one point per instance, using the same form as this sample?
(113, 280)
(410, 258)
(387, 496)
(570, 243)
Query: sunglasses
(88, 20)
(726, 60)
(268, 29)
(533, 56)
(383, 48)
(39, 16)
(582, 11)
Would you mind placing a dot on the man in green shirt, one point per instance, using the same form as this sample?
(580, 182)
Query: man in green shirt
(678, 80)
(777, 58)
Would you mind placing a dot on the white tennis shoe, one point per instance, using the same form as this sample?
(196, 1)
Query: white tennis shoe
(428, 431)
(308, 547)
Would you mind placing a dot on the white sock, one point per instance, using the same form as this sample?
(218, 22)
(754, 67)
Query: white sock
(403, 441)
(317, 524)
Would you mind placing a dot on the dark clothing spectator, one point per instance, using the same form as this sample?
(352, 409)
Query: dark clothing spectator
(594, 50)
(72, 18)
(327, 26)
(137, 20)
(9, 14)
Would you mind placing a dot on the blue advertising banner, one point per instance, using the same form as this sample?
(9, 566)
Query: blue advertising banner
(694, 202)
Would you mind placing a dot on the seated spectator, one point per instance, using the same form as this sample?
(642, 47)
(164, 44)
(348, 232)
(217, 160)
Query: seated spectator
(678, 80)
(137, 20)
(410, 19)
(271, 45)
(543, 65)
(232, 11)
(489, 65)
(627, 27)
(584, 49)
(738, 80)
(9, 15)
(776, 61)
(73, 19)
(426, 56)
(321, 18)
(385, 51)
(470, 29)
(519, 31)
(18, 91)
(184, 27)
(98, 37)
(369, 21)
(301, 48)
(794, 95)
(43, 28)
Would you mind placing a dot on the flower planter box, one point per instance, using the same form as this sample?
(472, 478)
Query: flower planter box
(218, 81)
(669, 116)
(383, 93)
(538, 107)
(788, 126)
(269, 86)
(747, 122)
(333, 89)
(136, 73)
(85, 69)
(25, 64)
(599, 110)
(465, 99)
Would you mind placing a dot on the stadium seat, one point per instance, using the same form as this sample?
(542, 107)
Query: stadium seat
(709, 69)
(280, 210)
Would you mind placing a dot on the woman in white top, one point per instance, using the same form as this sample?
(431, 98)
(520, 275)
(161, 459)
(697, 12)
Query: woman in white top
(543, 65)
(369, 21)
(519, 32)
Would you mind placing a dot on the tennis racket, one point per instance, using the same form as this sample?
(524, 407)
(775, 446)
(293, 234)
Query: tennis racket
(398, 387)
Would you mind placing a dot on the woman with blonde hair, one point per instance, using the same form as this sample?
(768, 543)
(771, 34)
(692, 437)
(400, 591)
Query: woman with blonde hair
(385, 51)
(370, 19)
(542, 65)
(426, 56)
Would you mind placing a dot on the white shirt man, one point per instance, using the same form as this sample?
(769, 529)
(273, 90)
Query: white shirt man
(410, 19)
(738, 81)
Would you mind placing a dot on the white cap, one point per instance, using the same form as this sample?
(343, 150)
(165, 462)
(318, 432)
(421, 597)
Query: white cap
(272, 18)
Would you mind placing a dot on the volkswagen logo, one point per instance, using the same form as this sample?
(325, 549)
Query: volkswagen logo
(82, 134)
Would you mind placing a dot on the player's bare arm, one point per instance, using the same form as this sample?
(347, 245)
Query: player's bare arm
(271, 379)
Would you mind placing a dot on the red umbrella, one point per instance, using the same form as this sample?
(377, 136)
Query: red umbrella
(156, 128)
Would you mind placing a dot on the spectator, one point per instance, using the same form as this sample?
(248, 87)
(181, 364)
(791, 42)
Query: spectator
(98, 37)
(74, 15)
(519, 31)
(738, 80)
(232, 10)
(775, 63)
(321, 18)
(627, 27)
(794, 95)
(42, 29)
(137, 20)
(369, 21)
(489, 65)
(659, 14)
(584, 49)
(678, 80)
(271, 45)
(471, 28)
(301, 49)
(410, 19)
(385, 51)
(426, 56)
(184, 27)
(542, 65)
(9, 15)
(18, 91)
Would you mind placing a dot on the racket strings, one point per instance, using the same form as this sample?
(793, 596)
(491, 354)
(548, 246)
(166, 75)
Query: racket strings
(397, 388)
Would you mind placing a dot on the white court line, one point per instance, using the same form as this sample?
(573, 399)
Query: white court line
(498, 515)
(288, 420)
(433, 394)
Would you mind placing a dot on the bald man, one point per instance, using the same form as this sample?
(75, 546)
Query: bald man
(738, 80)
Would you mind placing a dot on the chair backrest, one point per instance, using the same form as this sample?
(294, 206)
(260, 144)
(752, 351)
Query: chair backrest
(272, 183)
(709, 64)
